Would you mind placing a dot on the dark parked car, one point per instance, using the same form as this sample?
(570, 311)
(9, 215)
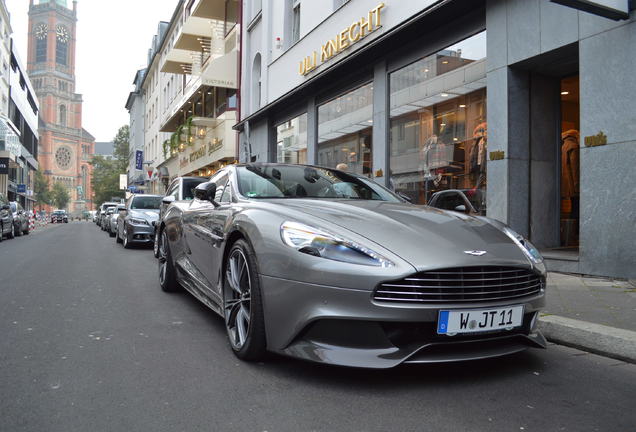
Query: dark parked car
(181, 189)
(20, 219)
(6, 219)
(136, 224)
(331, 267)
(59, 216)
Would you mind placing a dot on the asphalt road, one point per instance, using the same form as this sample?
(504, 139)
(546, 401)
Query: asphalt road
(90, 343)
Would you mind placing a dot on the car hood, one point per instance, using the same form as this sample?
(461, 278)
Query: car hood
(149, 215)
(425, 237)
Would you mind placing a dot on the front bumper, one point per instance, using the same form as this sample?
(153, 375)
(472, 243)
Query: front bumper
(346, 327)
(140, 233)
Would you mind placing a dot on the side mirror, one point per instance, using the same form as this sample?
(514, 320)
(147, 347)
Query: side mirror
(461, 208)
(205, 192)
(121, 210)
(168, 199)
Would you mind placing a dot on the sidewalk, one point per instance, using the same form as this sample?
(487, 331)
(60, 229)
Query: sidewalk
(593, 314)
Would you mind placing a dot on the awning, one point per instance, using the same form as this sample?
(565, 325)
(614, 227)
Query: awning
(221, 72)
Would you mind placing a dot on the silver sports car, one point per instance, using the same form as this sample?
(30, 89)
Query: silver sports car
(329, 266)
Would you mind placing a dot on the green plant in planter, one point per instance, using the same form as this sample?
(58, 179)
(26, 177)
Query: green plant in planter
(188, 125)
(166, 147)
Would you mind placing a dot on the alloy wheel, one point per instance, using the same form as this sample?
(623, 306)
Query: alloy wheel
(163, 258)
(237, 299)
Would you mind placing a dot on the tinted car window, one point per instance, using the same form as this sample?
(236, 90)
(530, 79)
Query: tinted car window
(227, 195)
(449, 201)
(220, 187)
(146, 203)
(297, 181)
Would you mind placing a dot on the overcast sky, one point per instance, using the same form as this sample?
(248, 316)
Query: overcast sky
(113, 38)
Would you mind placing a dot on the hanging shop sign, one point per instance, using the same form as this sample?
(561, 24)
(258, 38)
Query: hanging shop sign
(22, 188)
(612, 9)
(139, 159)
(599, 139)
(347, 37)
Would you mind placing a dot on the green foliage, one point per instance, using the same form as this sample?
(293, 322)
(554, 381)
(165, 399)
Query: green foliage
(105, 179)
(41, 189)
(121, 148)
(60, 196)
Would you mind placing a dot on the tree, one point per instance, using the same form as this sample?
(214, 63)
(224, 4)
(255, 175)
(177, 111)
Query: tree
(105, 179)
(41, 189)
(60, 196)
(121, 148)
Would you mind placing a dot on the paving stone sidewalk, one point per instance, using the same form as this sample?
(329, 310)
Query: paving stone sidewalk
(609, 302)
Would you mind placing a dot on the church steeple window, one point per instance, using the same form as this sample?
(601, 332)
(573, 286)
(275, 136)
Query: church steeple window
(63, 115)
(61, 47)
(41, 32)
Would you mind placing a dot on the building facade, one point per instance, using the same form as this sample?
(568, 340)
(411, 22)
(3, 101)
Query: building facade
(66, 148)
(5, 57)
(136, 110)
(506, 102)
(19, 137)
(190, 92)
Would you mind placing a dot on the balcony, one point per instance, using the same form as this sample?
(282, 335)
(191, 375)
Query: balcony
(210, 9)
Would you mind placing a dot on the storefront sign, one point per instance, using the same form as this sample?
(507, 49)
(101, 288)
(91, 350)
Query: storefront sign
(612, 9)
(214, 146)
(123, 181)
(4, 165)
(139, 159)
(497, 155)
(21, 188)
(347, 37)
(599, 139)
(197, 154)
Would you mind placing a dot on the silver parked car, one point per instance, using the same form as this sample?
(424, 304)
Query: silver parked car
(20, 219)
(111, 219)
(136, 223)
(105, 224)
(6, 219)
(328, 266)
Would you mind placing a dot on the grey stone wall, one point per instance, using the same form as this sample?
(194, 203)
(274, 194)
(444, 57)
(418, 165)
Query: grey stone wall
(518, 32)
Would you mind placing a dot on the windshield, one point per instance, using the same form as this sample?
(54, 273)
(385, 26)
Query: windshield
(146, 203)
(298, 181)
(189, 185)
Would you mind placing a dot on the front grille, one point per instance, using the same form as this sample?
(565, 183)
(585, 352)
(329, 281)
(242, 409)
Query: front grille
(461, 284)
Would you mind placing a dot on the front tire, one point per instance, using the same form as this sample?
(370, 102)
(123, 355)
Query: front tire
(125, 239)
(117, 238)
(167, 272)
(242, 305)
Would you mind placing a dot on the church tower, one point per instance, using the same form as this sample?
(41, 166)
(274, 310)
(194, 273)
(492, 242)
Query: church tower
(66, 148)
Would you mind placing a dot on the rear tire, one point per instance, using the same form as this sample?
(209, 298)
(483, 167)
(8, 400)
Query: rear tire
(167, 273)
(242, 304)
(117, 238)
(11, 232)
(16, 231)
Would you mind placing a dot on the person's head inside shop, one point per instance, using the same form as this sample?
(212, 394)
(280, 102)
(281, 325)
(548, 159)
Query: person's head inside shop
(342, 167)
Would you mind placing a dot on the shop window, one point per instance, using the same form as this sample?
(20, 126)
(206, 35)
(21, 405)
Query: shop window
(438, 130)
(570, 176)
(344, 131)
(291, 141)
(225, 100)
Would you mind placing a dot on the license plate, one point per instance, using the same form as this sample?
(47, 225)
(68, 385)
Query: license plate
(452, 322)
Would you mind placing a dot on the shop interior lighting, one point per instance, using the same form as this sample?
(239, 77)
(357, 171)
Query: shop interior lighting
(462, 106)
(444, 95)
(565, 93)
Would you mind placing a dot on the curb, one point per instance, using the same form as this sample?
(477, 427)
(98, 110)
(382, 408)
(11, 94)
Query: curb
(596, 338)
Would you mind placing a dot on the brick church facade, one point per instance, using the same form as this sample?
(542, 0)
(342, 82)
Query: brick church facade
(65, 148)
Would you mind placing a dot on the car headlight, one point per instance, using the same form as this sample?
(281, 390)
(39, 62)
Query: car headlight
(527, 247)
(319, 243)
(136, 221)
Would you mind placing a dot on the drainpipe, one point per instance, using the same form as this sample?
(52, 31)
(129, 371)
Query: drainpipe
(240, 75)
